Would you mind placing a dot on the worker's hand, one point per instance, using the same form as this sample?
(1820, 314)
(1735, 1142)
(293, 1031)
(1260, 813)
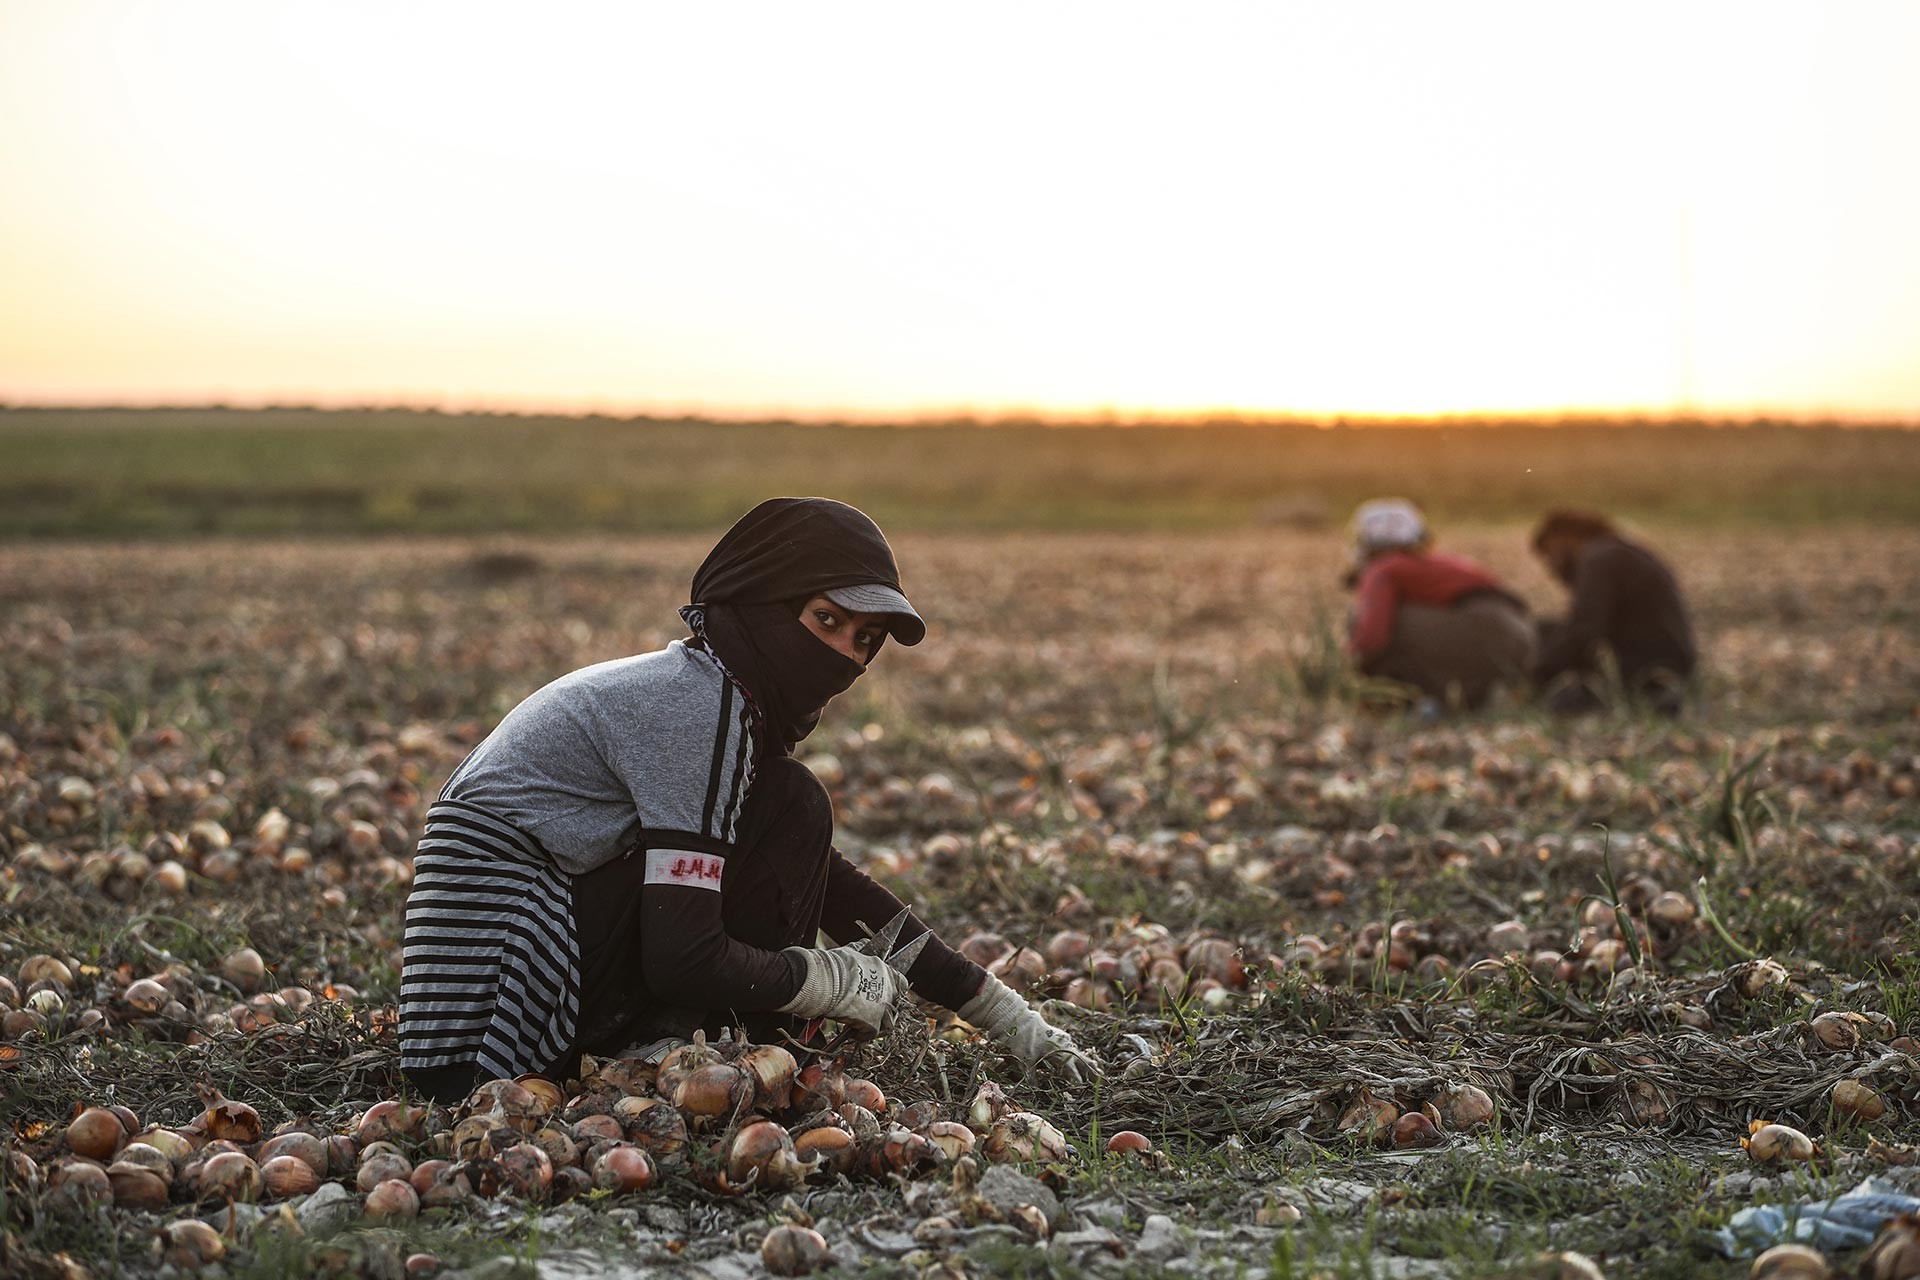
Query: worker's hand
(851, 986)
(1018, 1028)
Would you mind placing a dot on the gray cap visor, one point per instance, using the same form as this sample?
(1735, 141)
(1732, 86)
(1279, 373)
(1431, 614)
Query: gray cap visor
(903, 623)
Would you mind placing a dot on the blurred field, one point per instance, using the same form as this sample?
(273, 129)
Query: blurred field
(106, 473)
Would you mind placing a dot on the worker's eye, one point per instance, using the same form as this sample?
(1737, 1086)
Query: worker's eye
(867, 639)
(826, 618)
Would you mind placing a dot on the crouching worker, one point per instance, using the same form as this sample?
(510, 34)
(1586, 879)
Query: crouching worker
(633, 853)
(1440, 623)
(1625, 602)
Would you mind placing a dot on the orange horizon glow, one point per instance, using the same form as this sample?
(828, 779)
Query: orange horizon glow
(870, 213)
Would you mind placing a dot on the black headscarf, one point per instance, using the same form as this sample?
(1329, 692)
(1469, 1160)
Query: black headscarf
(782, 550)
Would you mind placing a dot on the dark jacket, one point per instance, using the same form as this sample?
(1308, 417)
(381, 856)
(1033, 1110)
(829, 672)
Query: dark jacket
(1625, 599)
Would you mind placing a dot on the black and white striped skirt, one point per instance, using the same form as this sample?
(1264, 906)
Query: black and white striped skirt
(490, 968)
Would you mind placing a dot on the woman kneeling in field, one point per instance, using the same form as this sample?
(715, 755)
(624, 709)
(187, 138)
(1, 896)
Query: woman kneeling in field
(633, 853)
(1438, 622)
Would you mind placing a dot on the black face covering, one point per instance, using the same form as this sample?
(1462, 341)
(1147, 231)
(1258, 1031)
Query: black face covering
(788, 673)
(785, 548)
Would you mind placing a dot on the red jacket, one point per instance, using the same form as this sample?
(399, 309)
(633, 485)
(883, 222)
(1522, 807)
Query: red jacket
(1429, 578)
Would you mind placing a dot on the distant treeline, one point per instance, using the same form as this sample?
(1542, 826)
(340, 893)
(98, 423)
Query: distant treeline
(163, 472)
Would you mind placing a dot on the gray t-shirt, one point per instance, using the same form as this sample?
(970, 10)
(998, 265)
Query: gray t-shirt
(659, 742)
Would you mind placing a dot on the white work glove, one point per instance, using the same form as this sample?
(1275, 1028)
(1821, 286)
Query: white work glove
(1014, 1026)
(851, 986)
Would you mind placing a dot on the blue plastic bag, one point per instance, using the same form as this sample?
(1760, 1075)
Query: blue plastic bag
(1849, 1220)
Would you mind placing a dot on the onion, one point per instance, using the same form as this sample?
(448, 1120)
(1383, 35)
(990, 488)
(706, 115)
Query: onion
(1508, 936)
(21, 1170)
(146, 996)
(989, 1104)
(1857, 1100)
(984, 947)
(439, 1183)
(600, 1128)
(1021, 1135)
(1875, 1025)
(1790, 1262)
(1755, 976)
(1218, 959)
(764, 1152)
(859, 1121)
(1031, 1221)
(1670, 911)
(426, 1172)
(793, 1251)
(821, 1084)
(865, 1093)
(681, 1063)
(898, 1150)
(713, 1090)
(661, 1131)
(136, 1187)
(45, 969)
(561, 1149)
(570, 1182)
(1020, 969)
(226, 1121)
(229, 1176)
(1414, 1129)
(287, 1176)
(1367, 1118)
(1129, 1142)
(950, 1138)
(1777, 1144)
(387, 1120)
(301, 1146)
(1895, 1255)
(244, 969)
(828, 1146)
(192, 1243)
(96, 1133)
(528, 1170)
(1087, 994)
(343, 1156)
(393, 1200)
(1464, 1107)
(381, 1166)
(1836, 1031)
(478, 1137)
(545, 1092)
(511, 1101)
(1068, 948)
(147, 1157)
(623, 1169)
(773, 1070)
(80, 1182)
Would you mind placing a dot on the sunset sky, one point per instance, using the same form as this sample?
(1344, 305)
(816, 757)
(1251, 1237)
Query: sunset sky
(886, 209)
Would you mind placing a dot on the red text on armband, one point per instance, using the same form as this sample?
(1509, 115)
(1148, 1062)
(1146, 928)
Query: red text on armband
(676, 866)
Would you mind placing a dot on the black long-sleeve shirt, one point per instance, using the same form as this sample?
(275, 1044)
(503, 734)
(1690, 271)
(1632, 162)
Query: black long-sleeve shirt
(691, 958)
(1625, 599)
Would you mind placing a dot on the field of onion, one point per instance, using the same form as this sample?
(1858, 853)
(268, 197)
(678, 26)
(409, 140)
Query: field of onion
(1379, 997)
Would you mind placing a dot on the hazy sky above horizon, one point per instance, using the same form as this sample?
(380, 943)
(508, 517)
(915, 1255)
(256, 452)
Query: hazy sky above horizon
(1366, 209)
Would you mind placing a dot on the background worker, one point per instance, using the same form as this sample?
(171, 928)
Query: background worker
(1438, 622)
(1625, 602)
